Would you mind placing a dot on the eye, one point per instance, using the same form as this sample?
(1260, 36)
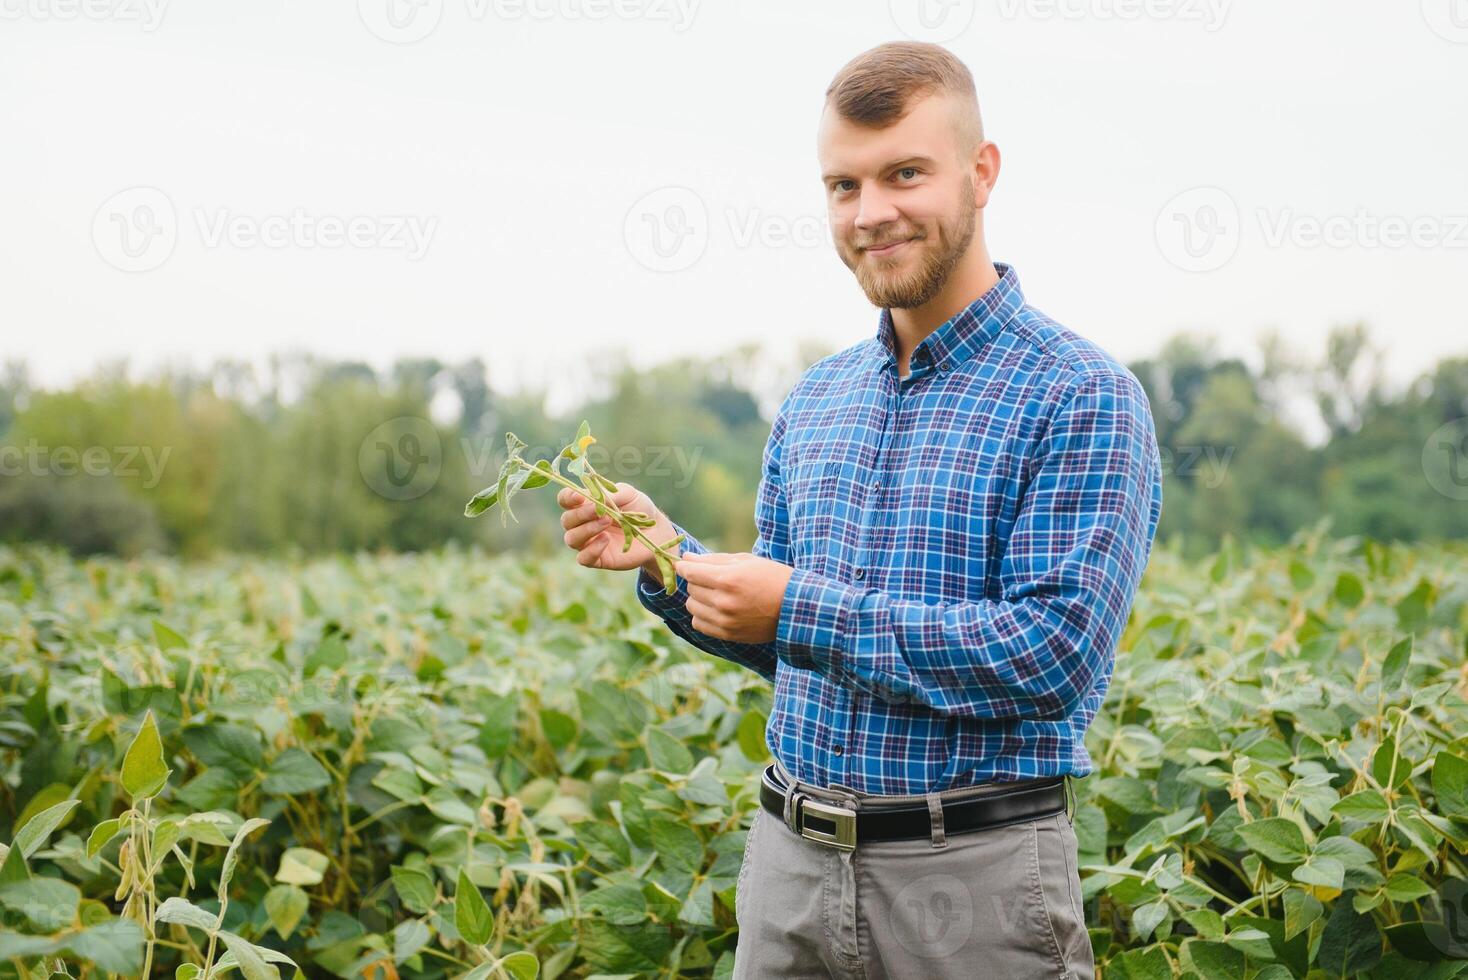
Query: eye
(842, 185)
(908, 173)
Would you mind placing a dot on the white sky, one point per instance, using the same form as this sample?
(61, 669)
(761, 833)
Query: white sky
(522, 137)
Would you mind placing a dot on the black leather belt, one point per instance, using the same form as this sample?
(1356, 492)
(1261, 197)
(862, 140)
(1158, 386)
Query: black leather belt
(840, 826)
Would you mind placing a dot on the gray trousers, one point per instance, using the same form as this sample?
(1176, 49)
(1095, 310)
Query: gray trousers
(1003, 902)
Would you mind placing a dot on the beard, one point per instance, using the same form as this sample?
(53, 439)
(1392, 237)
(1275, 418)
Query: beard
(888, 288)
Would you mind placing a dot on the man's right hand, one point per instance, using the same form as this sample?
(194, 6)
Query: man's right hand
(598, 541)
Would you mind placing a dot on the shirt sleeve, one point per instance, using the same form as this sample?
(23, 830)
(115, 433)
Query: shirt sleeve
(773, 542)
(1069, 574)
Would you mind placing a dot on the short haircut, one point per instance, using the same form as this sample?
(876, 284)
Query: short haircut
(878, 86)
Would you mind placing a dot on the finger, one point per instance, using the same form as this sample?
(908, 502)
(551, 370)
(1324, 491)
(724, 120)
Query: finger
(716, 558)
(570, 498)
(705, 614)
(578, 537)
(578, 515)
(702, 573)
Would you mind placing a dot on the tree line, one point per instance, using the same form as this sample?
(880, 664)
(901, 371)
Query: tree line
(314, 455)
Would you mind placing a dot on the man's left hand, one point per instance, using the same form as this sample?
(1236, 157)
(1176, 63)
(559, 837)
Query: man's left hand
(734, 597)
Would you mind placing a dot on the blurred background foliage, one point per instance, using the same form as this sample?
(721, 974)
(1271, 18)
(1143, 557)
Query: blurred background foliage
(235, 458)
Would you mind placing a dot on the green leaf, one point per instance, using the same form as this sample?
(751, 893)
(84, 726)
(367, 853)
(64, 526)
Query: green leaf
(286, 905)
(666, 753)
(1450, 783)
(678, 845)
(1350, 943)
(251, 962)
(49, 904)
(167, 637)
(115, 946)
(482, 501)
(37, 830)
(521, 965)
(1395, 667)
(1275, 838)
(293, 773)
(1368, 805)
(622, 903)
(751, 736)
(143, 771)
(1349, 591)
(184, 912)
(302, 866)
(414, 888)
(471, 913)
(408, 937)
(231, 857)
(14, 867)
(330, 653)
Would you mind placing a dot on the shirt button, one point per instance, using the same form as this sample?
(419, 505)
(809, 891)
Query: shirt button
(876, 484)
(837, 749)
(944, 365)
(861, 573)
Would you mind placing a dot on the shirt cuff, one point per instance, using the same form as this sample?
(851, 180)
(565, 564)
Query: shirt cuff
(815, 616)
(650, 591)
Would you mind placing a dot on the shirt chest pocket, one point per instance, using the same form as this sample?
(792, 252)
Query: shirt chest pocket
(812, 495)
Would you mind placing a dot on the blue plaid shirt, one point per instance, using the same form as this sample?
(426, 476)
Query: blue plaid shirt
(967, 542)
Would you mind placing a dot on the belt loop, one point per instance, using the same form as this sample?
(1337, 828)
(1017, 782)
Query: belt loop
(1070, 800)
(935, 817)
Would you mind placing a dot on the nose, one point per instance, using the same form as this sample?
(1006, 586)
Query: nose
(875, 208)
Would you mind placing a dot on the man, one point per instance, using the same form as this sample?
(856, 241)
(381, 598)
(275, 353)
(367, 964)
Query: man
(953, 518)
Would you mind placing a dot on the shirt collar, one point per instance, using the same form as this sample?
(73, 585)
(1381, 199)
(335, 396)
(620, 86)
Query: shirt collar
(966, 332)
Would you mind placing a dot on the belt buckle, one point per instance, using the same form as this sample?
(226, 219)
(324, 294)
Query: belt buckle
(842, 818)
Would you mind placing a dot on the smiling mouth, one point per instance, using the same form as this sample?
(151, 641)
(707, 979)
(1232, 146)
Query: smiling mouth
(889, 248)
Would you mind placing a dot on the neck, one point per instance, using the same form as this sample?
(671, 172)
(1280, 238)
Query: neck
(974, 276)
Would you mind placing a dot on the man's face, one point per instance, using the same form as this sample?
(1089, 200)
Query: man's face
(901, 200)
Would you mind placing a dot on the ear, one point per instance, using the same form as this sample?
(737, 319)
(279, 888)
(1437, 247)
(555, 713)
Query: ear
(986, 172)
